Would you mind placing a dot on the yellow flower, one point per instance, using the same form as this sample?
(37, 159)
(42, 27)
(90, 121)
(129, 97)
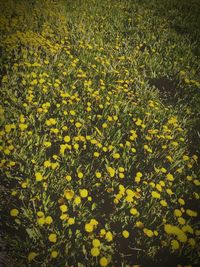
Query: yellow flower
(48, 220)
(63, 208)
(80, 175)
(139, 174)
(121, 175)
(69, 194)
(77, 200)
(68, 178)
(96, 154)
(38, 177)
(41, 221)
(71, 221)
(109, 236)
(52, 238)
(170, 177)
(121, 169)
(182, 237)
(31, 256)
(191, 213)
(103, 262)
(89, 227)
(54, 254)
(83, 193)
(102, 232)
(23, 126)
(47, 163)
(148, 232)
(177, 213)
(155, 194)
(52, 121)
(95, 252)
(175, 244)
(47, 144)
(159, 187)
(125, 234)
(111, 171)
(96, 243)
(163, 203)
(14, 212)
(181, 220)
(64, 216)
(129, 198)
(98, 174)
(78, 124)
(116, 156)
(169, 191)
(72, 112)
(139, 224)
(181, 201)
(67, 138)
(133, 211)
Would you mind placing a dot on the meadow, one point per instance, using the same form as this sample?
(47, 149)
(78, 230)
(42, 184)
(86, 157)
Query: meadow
(100, 136)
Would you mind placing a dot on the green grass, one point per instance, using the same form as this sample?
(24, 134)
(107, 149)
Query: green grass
(100, 133)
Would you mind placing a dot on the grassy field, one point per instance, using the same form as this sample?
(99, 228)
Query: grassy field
(100, 136)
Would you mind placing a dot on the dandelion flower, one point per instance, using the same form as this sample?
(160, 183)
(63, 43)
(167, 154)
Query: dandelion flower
(95, 252)
(63, 208)
(191, 213)
(54, 254)
(155, 194)
(83, 193)
(89, 227)
(103, 262)
(31, 256)
(14, 212)
(52, 238)
(96, 243)
(38, 177)
(125, 234)
(111, 171)
(71, 221)
(175, 244)
(80, 175)
(48, 220)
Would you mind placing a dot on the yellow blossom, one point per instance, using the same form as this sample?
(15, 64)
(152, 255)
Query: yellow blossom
(95, 252)
(77, 200)
(38, 177)
(155, 194)
(103, 262)
(111, 171)
(31, 256)
(52, 238)
(71, 221)
(63, 208)
(125, 234)
(14, 212)
(89, 227)
(83, 193)
(175, 244)
(109, 236)
(96, 243)
(191, 213)
(54, 254)
(48, 220)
